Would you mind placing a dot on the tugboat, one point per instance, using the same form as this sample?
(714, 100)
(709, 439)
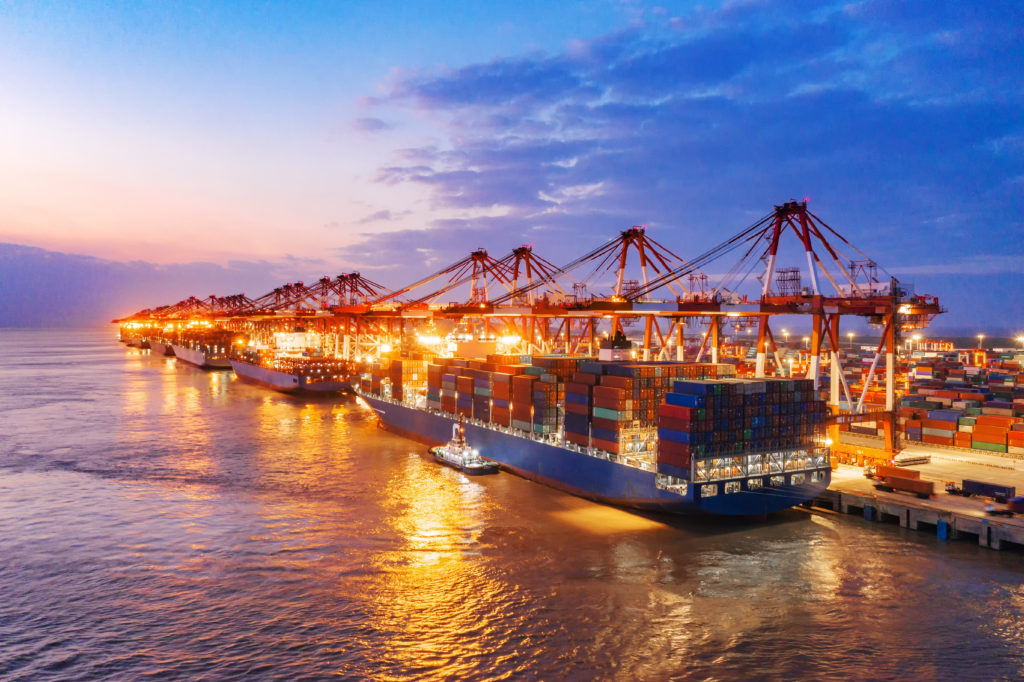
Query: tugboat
(457, 454)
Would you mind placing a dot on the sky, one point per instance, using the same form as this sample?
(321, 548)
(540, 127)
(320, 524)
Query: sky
(180, 143)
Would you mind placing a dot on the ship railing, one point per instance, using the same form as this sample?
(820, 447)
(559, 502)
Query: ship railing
(672, 484)
(741, 466)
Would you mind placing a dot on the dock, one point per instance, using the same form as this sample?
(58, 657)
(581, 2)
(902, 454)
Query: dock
(949, 517)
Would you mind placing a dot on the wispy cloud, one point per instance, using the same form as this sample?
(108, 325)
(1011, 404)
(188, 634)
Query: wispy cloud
(383, 216)
(887, 114)
(371, 125)
(980, 265)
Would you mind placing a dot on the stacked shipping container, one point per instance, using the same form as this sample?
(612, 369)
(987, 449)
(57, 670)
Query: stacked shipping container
(735, 416)
(966, 406)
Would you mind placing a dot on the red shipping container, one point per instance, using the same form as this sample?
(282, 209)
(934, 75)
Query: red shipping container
(611, 404)
(580, 389)
(617, 382)
(608, 424)
(576, 438)
(675, 424)
(576, 408)
(675, 459)
(673, 447)
(609, 392)
(607, 445)
(910, 485)
(687, 413)
(523, 413)
(585, 378)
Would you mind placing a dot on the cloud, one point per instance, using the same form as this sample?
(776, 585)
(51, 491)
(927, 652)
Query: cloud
(890, 116)
(383, 216)
(371, 125)
(976, 265)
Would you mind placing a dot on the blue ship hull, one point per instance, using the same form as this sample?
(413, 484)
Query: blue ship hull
(591, 477)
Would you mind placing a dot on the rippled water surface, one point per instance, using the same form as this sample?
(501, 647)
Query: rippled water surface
(161, 521)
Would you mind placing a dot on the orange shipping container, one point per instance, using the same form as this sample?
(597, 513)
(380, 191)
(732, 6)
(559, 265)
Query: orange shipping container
(990, 434)
(992, 420)
(882, 471)
(936, 440)
(938, 424)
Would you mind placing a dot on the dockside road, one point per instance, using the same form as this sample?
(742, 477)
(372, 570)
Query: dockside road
(948, 516)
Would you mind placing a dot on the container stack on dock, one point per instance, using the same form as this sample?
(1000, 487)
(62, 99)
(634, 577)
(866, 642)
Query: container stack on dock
(962, 405)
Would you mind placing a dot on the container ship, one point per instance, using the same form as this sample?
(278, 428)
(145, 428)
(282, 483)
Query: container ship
(292, 374)
(665, 437)
(160, 347)
(292, 362)
(207, 350)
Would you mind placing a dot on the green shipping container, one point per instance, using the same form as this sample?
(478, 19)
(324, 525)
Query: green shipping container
(991, 447)
(614, 415)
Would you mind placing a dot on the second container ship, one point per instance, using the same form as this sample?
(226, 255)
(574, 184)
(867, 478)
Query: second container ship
(292, 363)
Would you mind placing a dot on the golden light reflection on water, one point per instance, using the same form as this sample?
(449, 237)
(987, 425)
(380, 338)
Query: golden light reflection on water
(601, 520)
(821, 565)
(169, 386)
(441, 521)
(434, 592)
(185, 426)
(135, 395)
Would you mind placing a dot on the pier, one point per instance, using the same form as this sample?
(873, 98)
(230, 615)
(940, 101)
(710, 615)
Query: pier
(949, 517)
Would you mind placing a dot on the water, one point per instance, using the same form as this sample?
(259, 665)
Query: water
(161, 521)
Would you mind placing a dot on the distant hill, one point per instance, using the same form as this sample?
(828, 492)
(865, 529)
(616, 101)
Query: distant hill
(40, 288)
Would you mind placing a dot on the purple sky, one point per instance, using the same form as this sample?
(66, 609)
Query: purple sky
(297, 140)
